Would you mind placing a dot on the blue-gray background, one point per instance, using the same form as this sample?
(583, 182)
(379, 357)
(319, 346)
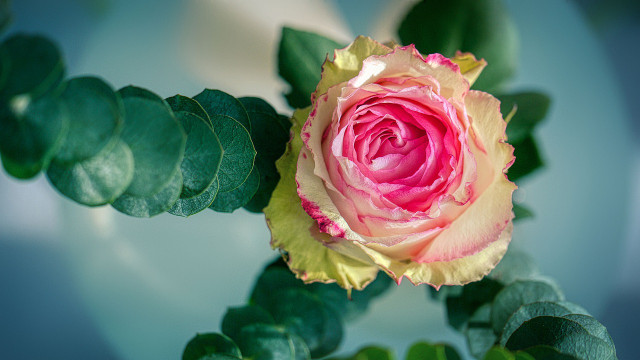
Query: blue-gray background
(43, 314)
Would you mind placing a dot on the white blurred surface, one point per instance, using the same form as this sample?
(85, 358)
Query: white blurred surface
(150, 285)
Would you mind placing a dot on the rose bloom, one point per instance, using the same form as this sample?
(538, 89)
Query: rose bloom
(397, 166)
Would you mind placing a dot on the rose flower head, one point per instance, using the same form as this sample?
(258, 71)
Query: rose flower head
(397, 166)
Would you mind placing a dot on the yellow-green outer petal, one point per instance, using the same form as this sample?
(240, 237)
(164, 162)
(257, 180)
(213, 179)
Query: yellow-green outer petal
(348, 62)
(470, 67)
(290, 228)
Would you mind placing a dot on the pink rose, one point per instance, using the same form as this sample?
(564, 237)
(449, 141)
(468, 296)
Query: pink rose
(398, 166)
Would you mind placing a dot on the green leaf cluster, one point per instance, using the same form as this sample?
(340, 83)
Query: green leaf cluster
(286, 319)
(518, 311)
(130, 148)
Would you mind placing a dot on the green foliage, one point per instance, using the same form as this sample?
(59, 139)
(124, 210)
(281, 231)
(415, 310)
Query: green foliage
(211, 346)
(567, 336)
(31, 132)
(238, 317)
(131, 148)
(370, 353)
(300, 58)
(202, 155)
(528, 158)
(427, 351)
(98, 180)
(521, 212)
(31, 65)
(482, 27)
(238, 197)
(270, 139)
(530, 109)
(269, 342)
(148, 206)
(96, 118)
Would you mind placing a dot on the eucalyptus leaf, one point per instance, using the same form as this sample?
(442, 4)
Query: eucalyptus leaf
(202, 155)
(238, 317)
(370, 353)
(544, 352)
(31, 132)
(184, 103)
(98, 180)
(269, 342)
(238, 152)
(567, 336)
(270, 141)
(482, 27)
(96, 118)
(216, 102)
(211, 344)
(522, 212)
(498, 353)
(304, 314)
(151, 205)
(238, 197)
(272, 278)
(194, 205)
(593, 326)
(427, 351)
(513, 266)
(300, 58)
(518, 293)
(528, 158)
(20, 171)
(479, 334)
(531, 108)
(32, 65)
(529, 311)
(460, 308)
(155, 138)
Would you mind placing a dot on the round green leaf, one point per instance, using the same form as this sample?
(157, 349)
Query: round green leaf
(270, 141)
(32, 64)
(273, 279)
(216, 102)
(211, 344)
(306, 316)
(513, 266)
(32, 131)
(460, 308)
(544, 352)
(238, 197)
(568, 336)
(238, 317)
(202, 155)
(151, 205)
(482, 27)
(593, 326)
(194, 205)
(370, 353)
(184, 103)
(95, 119)
(19, 171)
(498, 353)
(528, 158)
(480, 336)
(519, 293)
(269, 342)
(531, 108)
(238, 152)
(155, 138)
(98, 180)
(300, 58)
(530, 311)
(426, 351)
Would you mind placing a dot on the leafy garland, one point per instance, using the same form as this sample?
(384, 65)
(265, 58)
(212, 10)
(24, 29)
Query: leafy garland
(146, 155)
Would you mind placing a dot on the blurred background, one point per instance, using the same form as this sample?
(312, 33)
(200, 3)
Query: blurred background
(91, 283)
